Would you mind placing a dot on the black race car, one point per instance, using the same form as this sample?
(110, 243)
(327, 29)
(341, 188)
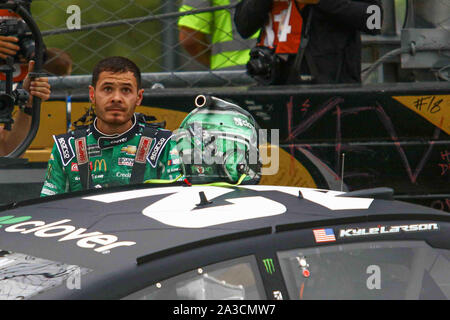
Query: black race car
(204, 242)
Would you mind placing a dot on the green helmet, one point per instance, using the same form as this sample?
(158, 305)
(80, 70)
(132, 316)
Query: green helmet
(218, 142)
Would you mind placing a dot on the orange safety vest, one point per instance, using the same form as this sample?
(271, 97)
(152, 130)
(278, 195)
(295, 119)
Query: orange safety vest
(284, 29)
(20, 70)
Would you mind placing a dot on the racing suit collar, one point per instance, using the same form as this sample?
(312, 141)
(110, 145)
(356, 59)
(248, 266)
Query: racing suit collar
(111, 140)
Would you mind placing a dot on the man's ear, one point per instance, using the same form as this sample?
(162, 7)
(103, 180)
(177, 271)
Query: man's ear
(140, 95)
(92, 94)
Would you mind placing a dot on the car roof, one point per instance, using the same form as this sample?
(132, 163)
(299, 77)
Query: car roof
(148, 223)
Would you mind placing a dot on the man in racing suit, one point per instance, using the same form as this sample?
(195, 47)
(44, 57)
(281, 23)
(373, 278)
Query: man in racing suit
(118, 148)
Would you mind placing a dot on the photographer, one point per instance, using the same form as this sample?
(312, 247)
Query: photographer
(16, 42)
(327, 31)
(20, 45)
(38, 87)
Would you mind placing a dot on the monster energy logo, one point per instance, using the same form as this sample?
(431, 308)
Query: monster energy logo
(268, 264)
(12, 220)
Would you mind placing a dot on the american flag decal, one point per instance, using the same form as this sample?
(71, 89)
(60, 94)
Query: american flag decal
(324, 235)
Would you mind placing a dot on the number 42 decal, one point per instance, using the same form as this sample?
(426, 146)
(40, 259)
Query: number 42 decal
(179, 208)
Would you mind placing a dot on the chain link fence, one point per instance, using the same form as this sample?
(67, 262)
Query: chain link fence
(147, 32)
(144, 31)
(432, 14)
(151, 44)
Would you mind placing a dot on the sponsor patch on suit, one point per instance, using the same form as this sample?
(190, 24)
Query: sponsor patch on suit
(126, 162)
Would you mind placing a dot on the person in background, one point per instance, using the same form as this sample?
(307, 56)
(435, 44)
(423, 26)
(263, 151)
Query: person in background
(10, 139)
(211, 38)
(57, 62)
(328, 31)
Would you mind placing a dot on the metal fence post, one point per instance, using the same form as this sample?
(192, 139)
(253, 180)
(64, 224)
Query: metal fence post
(169, 37)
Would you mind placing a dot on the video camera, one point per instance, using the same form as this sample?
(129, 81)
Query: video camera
(31, 46)
(19, 29)
(11, 97)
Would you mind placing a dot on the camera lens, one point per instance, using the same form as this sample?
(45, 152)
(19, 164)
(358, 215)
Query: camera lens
(6, 102)
(251, 67)
(256, 67)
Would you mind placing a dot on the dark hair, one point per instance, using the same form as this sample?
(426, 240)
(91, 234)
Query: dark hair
(116, 65)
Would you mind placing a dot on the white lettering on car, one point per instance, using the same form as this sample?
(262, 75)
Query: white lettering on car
(351, 232)
(181, 203)
(189, 215)
(69, 232)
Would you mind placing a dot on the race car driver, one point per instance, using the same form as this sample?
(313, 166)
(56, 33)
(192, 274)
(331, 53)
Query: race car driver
(118, 147)
(217, 143)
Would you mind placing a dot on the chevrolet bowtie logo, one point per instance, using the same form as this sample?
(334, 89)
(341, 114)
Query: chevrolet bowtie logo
(130, 150)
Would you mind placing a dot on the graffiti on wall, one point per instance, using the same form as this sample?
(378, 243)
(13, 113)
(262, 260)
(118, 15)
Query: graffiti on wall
(423, 159)
(333, 106)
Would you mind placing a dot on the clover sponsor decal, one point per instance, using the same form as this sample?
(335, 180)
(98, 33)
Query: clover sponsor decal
(7, 220)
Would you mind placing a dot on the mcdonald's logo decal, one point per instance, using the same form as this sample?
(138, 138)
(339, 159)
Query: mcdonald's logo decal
(101, 165)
